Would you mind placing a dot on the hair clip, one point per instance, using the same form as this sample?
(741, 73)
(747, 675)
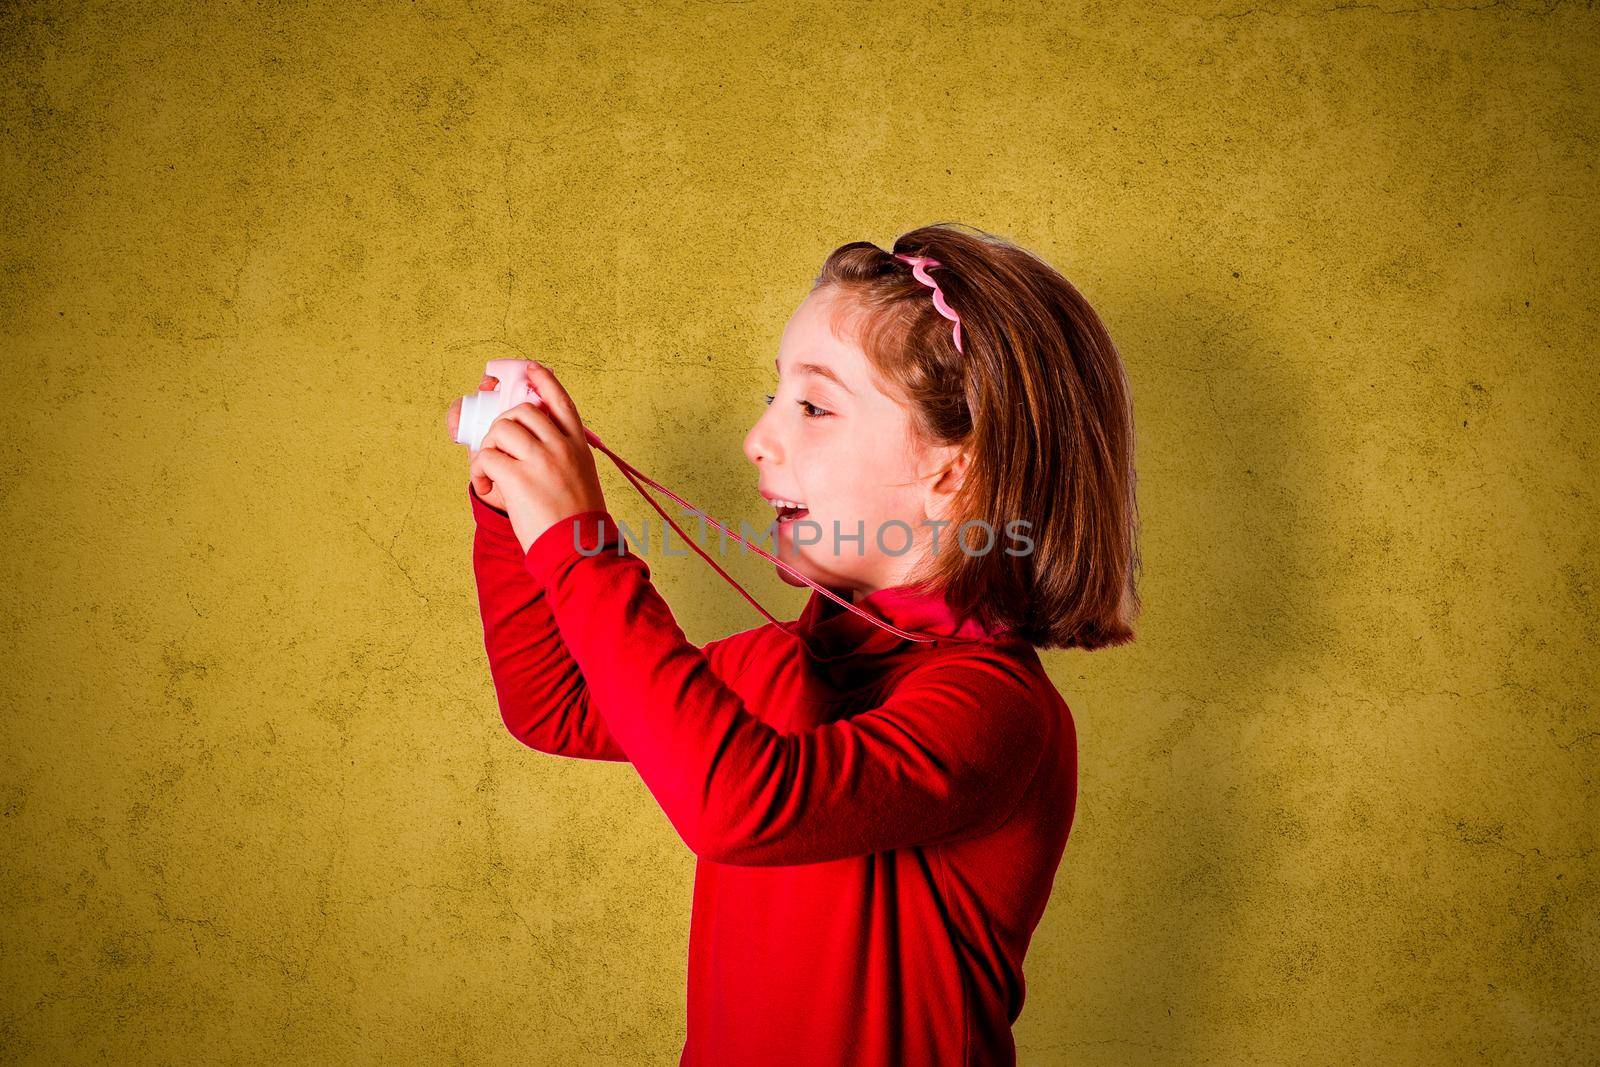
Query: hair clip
(919, 271)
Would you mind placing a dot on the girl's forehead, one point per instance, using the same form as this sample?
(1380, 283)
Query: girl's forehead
(815, 339)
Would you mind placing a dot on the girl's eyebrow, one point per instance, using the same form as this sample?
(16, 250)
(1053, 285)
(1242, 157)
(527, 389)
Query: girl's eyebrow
(820, 371)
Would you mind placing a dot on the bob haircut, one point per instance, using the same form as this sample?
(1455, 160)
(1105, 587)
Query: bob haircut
(1041, 403)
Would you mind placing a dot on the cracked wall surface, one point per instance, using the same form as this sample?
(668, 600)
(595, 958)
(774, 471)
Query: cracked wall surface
(1338, 801)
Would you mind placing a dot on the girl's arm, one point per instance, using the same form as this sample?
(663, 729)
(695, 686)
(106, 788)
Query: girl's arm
(543, 698)
(948, 755)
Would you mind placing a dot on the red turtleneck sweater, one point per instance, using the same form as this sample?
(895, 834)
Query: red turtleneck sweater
(877, 821)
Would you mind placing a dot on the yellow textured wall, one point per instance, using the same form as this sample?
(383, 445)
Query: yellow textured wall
(1338, 802)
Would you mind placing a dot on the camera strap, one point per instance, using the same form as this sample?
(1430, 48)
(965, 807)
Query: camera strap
(635, 477)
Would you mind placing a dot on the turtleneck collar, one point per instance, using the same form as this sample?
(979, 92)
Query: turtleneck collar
(832, 633)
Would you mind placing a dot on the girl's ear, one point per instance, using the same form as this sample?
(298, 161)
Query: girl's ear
(950, 466)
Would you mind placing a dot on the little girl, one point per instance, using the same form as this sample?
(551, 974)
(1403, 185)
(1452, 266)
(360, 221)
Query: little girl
(878, 816)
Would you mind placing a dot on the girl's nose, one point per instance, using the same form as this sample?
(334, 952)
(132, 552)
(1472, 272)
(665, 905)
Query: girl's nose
(760, 447)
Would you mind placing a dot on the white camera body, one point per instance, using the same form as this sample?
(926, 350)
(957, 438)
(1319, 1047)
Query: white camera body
(478, 412)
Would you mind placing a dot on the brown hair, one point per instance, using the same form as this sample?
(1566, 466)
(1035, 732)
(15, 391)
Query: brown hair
(1041, 400)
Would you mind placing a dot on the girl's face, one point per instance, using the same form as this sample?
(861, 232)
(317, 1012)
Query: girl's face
(831, 439)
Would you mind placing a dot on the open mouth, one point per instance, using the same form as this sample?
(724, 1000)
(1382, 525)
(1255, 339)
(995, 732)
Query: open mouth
(789, 510)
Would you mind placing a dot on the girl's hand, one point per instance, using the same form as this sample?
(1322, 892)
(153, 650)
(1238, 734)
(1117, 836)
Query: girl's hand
(538, 461)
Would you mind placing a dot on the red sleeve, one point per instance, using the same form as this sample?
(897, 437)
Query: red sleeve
(544, 701)
(948, 755)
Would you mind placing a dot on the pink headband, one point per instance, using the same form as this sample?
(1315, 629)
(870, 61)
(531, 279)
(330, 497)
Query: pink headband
(918, 263)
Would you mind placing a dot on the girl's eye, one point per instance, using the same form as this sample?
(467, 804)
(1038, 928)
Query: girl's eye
(807, 408)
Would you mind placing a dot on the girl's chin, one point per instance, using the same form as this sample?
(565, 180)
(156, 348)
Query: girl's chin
(795, 556)
(792, 556)
(789, 579)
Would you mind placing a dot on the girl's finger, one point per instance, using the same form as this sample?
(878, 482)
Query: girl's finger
(534, 420)
(556, 400)
(514, 433)
(481, 482)
(452, 418)
(486, 463)
(491, 463)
